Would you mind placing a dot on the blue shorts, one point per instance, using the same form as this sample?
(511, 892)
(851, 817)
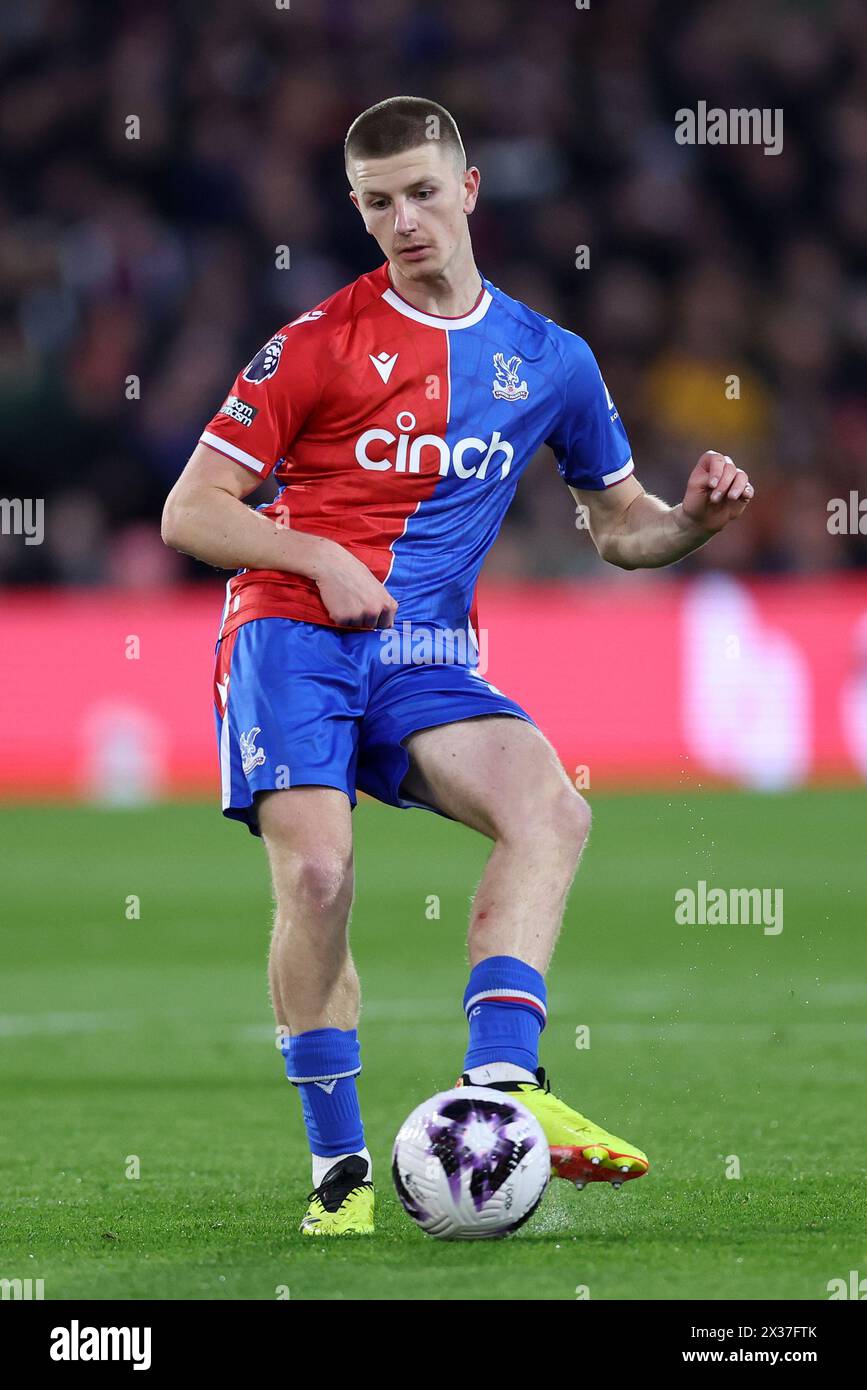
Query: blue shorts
(299, 705)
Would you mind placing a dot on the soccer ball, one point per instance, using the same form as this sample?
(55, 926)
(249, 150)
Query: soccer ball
(470, 1164)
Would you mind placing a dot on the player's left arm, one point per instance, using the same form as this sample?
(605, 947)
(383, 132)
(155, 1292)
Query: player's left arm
(633, 530)
(630, 528)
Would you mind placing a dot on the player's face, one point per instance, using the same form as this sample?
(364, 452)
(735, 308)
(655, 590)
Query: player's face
(416, 204)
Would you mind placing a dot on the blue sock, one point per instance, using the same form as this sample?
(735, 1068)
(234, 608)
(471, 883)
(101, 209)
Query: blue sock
(505, 1003)
(323, 1064)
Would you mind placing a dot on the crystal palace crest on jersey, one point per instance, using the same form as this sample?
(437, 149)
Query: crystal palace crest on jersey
(506, 386)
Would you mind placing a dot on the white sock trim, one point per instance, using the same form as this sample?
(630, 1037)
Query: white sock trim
(490, 996)
(322, 1163)
(320, 1080)
(498, 1071)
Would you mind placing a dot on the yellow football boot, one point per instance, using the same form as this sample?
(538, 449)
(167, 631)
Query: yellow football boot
(581, 1151)
(342, 1204)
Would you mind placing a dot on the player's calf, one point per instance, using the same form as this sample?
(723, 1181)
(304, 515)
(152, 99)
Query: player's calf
(314, 988)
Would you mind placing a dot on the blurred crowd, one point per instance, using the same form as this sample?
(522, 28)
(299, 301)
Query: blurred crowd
(725, 297)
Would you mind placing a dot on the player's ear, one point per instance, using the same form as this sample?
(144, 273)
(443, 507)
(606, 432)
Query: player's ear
(472, 179)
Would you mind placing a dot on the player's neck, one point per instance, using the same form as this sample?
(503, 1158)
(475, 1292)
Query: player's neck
(451, 294)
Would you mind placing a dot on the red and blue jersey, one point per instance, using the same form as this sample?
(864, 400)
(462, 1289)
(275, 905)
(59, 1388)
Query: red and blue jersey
(403, 435)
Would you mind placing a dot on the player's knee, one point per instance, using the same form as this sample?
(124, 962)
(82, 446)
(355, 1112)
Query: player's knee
(576, 817)
(553, 825)
(563, 822)
(319, 880)
(582, 814)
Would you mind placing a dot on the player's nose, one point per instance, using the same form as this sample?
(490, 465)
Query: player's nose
(403, 219)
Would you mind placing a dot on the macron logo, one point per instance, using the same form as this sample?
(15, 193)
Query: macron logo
(383, 363)
(326, 1086)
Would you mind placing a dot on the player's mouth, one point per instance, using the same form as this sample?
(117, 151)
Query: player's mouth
(413, 253)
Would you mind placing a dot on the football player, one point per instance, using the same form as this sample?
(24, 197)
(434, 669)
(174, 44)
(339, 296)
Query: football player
(398, 417)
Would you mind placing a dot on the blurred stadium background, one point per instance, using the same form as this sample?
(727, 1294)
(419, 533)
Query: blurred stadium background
(154, 258)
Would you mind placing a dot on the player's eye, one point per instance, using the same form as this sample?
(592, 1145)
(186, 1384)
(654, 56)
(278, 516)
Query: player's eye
(424, 193)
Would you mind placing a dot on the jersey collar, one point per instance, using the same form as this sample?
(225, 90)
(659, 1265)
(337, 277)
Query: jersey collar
(396, 301)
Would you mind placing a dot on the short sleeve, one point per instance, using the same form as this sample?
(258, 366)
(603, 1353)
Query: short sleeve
(588, 440)
(269, 401)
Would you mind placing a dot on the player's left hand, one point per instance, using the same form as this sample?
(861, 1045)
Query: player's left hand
(717, 492)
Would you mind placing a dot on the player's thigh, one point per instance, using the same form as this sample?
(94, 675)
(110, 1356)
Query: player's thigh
(308, 836)
(495, 773)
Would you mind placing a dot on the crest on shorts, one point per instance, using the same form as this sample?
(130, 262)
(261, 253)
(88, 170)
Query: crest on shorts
(506, 386)
(251, 756)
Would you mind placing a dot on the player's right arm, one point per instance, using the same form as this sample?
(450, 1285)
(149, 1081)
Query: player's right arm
(205, 513)
(205, 516)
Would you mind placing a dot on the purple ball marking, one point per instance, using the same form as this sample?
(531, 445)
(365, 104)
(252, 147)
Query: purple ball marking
(410, 1205)
(490, 1170)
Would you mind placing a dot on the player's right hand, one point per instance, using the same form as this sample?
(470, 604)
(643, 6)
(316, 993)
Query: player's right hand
(353, 596)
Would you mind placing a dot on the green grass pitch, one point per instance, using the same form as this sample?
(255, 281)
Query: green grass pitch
(153, 1038)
